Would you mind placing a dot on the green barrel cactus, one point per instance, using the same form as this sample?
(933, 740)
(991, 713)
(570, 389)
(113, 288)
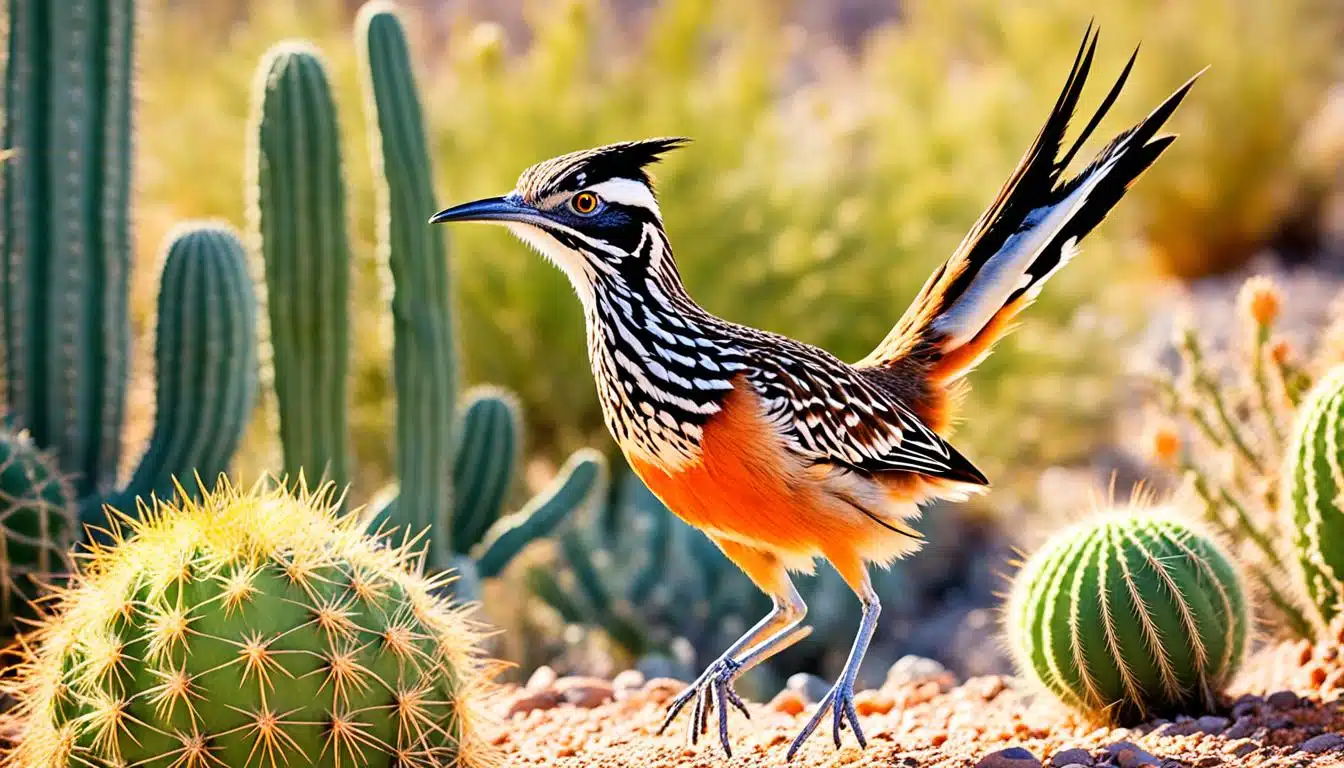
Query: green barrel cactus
(37, 524)
(65, 268)
(252, 628)
(456, 461)
(1312, 482)
(1128, 615)
(297, 217)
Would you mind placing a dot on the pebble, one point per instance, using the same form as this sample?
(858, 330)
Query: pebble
(1012, 757)
(789, 702)
(1326, 742)
(986, 687)
(1129, 755)
(1243, 727)
(912, 670)
(660, 689)
(542, 679)
(1282, 700)
(547, 699)
(585, 692)
(1246, 705)
(1240, 747)
(1212, 724)
(809, 686)
(627, 682)
(872, 703)
(1071, 757)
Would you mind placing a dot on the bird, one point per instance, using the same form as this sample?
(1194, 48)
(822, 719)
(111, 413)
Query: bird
(777, 450)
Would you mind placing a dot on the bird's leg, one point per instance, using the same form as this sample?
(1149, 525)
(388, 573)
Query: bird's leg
(714, 687)
(840, 699)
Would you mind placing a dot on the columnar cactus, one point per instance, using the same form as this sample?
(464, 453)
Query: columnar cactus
(1313, 481)
(250, 628)
(65, 268)
(297, 217)
(37, 524)
(1129, 614)
(205, 354)
(455, 465)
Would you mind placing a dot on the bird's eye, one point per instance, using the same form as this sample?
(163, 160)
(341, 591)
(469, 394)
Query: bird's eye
(584, 203)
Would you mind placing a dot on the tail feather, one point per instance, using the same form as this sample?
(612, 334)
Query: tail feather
(1030, 231)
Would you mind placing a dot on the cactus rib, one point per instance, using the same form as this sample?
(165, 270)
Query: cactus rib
(1313, 480)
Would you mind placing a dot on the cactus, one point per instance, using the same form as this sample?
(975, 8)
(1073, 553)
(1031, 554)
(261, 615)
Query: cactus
(1312, 485)
(65, 269)
(455, 464)
(251, 627)
(206, 357)
(297, 217)
(1237, 415)
(37, 523)
(1129, 614)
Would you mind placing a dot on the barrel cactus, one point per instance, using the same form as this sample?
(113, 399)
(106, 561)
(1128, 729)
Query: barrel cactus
(1312, 482)
(37, 523)
(456, 457)
(65, 234)
(1129, 614)
(253, 627)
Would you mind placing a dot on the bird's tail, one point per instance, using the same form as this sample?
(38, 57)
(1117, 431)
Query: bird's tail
(1032, 229)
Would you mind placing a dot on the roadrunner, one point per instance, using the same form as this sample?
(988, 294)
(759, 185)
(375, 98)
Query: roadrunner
(778, 451)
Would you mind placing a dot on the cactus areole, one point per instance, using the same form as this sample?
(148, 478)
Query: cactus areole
(1312, 484)
(250, 628)
(1129, 615)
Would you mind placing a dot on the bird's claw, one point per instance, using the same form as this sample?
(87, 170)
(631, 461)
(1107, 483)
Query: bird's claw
(712, 692)
(839, 702)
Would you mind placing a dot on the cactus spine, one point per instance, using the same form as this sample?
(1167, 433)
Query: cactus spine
(455, 466)
(37, 524)
(1127, 615)
(65, 269)
(1313, 479)
(298, 219)
(251, 628)
(206, 357)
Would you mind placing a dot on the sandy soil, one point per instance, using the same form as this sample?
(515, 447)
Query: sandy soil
(1287, 709)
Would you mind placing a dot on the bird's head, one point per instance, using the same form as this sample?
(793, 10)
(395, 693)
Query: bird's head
(591, 212)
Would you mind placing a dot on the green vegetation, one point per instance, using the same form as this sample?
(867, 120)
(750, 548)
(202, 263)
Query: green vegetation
(1128, 615)
(298, 218)
(66, 271)
(251, 625)
(37, 524)
(1312, 480)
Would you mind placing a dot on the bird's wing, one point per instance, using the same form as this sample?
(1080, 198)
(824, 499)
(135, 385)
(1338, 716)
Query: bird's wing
(835, 415)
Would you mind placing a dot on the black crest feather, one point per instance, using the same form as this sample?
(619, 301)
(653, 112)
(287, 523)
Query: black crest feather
(623, 160)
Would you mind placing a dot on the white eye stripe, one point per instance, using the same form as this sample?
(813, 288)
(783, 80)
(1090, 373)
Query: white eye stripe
(627, 192)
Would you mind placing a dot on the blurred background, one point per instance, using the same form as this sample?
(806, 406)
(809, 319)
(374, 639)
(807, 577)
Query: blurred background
(841, 151)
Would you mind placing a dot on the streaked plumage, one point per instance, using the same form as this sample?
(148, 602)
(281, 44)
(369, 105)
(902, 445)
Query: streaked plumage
(780, 452)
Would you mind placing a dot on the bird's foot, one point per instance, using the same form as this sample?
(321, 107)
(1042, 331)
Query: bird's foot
(712, 691)
(839, 701)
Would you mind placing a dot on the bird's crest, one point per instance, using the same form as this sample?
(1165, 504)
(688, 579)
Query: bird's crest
(586, 167)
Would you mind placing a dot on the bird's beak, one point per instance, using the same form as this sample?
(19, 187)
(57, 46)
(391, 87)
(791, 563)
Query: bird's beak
(489, 209)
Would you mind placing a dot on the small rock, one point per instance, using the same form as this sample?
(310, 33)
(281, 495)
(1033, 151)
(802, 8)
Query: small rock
(1243, 727)
(1240, 747)
(1212, 724)
(913, 670)
(1129, 755)
(585, 692)
(1282, 700)
(1180, 728)
(788, 701)
(629, 680)
(810, 687)
(1246, 705)
(660, 689)
(986, 687)
(1071, 757)
(547, 699)
(544, 677)
(872, 703)
(1012, 757)
(1326, 742)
